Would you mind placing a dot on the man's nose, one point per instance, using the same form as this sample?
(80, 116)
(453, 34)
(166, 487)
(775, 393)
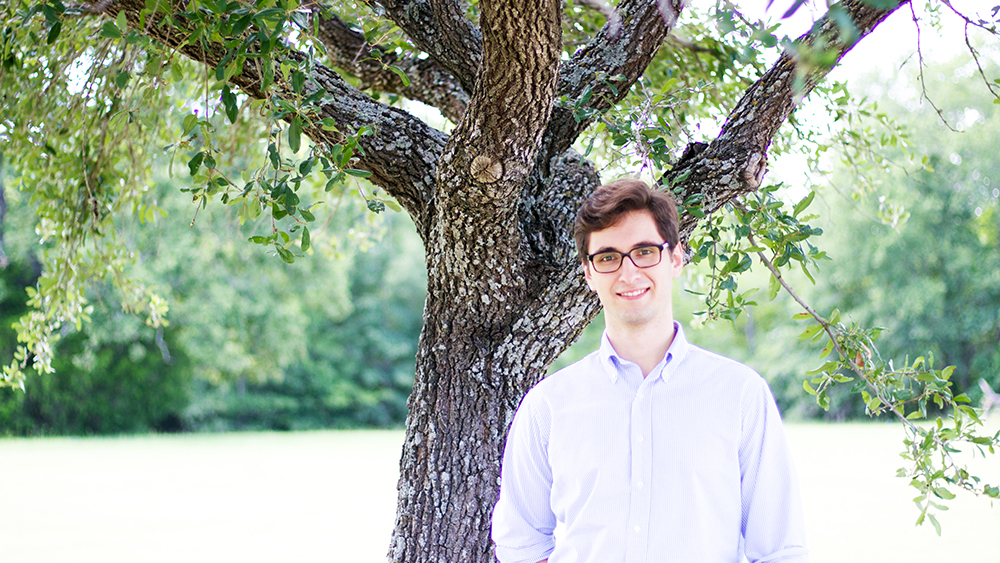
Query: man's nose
(629, 271)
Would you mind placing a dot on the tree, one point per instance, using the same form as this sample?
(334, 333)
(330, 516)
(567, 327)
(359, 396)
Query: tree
(493, 200)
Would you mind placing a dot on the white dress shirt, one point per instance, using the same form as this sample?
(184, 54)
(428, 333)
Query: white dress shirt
(689, 464)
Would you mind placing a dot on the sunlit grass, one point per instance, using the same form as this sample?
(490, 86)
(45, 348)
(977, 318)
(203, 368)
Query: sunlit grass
(331, 496)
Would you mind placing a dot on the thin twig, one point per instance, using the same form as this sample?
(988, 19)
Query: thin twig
(854, 367)
(920, 66)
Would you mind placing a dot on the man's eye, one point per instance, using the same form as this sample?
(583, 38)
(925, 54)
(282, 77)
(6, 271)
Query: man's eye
(606, 258)
(644, 251)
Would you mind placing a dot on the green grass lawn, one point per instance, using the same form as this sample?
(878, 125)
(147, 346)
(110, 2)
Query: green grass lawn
(330, 496)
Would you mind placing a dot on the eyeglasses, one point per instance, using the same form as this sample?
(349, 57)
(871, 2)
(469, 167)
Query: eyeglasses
(610, 261)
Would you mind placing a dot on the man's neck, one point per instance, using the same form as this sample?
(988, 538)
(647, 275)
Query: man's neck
(645, 345)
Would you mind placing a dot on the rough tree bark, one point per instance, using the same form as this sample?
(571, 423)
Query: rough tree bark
(494, 204)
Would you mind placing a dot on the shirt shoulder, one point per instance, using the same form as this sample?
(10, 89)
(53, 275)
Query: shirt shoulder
(562, 386)
(703, 367)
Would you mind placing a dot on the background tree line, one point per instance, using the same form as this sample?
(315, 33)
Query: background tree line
(253, 342)
(916, 251)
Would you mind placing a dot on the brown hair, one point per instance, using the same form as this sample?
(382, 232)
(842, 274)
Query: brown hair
(610, 202)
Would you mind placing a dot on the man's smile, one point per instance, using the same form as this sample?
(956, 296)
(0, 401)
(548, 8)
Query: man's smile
(634, 292)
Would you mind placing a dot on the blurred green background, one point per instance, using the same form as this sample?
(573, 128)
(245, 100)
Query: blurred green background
(329, 341)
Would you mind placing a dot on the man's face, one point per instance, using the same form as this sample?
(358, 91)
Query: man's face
(633, 297)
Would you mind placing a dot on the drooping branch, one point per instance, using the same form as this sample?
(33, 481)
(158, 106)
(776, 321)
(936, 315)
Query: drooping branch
(428, 82)
(983, 25)
(440, 28)
(402, 152)
(735, 162)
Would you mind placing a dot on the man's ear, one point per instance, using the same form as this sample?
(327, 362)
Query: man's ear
(677, 259)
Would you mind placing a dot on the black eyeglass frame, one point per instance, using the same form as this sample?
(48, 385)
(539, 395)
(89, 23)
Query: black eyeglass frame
(624, 255)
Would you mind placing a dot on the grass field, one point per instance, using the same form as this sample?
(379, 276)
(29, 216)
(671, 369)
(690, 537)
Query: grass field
(330, 496)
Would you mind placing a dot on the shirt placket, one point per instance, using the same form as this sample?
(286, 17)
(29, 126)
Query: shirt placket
(641, 472)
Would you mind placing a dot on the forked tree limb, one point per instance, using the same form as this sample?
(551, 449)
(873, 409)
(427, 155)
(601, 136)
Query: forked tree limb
(426, 81)
(735, 162)
(440, 29)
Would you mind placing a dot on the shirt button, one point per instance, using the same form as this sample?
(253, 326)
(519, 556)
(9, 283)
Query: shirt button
(639, 484)
(637, 528)
(640, 439)
(639, 395)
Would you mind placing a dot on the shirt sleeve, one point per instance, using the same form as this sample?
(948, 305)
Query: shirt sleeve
(522, 518)
(773, 525)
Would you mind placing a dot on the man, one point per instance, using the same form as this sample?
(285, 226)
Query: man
(649, 449)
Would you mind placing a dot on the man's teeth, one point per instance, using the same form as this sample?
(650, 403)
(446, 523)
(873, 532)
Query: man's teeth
(633, 293)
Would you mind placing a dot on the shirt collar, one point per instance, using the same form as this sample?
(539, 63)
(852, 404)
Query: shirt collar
(611, 361)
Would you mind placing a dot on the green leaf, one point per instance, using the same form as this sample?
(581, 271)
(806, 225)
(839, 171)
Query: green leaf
(306, 240)
(944, 493)
(402, 75)
(808, 388)
(810, 332)
(195, 163)
(295, 134)
(823, 401)
(337, 178)
(298, 81)
(358, 173)
(272, 153)
(53, 33)
(934, 522)
(307, 215)
(799, 316)
(773, 287)
(285, 255)
(109, 31)
(307, 165)
(189, 123)
(229, 102)
(826, 351)
(946, 372)
(121, 81)
(802, 205)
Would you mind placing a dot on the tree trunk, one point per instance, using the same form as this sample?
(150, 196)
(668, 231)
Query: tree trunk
(468, 384)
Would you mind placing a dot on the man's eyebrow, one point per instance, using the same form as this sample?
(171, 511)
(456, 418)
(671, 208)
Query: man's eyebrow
(637, 245)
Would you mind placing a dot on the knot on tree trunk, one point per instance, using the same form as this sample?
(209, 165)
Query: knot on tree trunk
(486, 169)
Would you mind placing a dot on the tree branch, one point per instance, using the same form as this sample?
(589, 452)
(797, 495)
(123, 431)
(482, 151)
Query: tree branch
(428, 82)
(440, 28)
(402, 152)
(623, 55)
(981, 24)
(494, 146)
(735, 162)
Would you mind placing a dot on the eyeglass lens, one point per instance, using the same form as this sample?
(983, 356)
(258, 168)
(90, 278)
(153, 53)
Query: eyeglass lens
(642, 257)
